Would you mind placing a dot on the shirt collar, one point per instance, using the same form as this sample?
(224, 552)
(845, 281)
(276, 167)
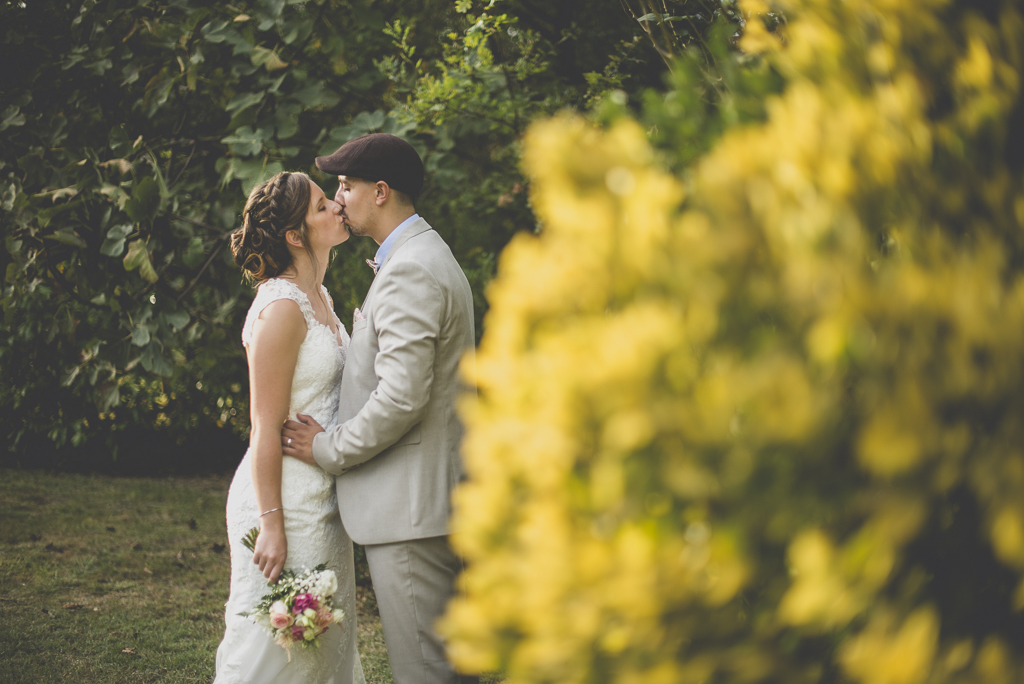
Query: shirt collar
(385, 247)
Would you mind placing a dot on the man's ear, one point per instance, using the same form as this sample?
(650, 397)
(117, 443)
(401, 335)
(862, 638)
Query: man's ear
(293, 238)
(381, 192)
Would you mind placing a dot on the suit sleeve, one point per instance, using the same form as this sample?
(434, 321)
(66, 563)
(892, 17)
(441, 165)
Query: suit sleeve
(407, 318)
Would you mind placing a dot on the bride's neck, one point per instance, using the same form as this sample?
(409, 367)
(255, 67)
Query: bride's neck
(305, 274)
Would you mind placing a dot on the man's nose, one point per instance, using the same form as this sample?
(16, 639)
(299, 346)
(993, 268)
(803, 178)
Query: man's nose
(338, 197)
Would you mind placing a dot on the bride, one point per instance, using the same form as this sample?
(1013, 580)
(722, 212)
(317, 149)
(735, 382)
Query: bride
(296, 350)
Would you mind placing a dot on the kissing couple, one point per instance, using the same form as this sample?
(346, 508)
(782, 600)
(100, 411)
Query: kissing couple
(369, 449)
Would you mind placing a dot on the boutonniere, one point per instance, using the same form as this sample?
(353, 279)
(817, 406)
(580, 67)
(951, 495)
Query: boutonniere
(357, 316)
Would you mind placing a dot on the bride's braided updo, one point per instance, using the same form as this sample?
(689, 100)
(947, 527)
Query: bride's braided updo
(274, 207)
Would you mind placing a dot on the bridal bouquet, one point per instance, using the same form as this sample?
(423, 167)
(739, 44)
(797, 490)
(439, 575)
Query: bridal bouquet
(299, 607)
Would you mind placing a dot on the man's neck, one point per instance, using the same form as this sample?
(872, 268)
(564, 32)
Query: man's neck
(391, 223)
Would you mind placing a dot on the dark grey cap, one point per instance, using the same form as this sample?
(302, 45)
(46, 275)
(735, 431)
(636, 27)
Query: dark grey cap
(378, 157)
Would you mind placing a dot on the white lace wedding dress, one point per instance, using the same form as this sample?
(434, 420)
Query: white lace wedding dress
(248, 655)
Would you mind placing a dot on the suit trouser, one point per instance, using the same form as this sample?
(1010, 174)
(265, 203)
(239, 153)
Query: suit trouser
(413, 581)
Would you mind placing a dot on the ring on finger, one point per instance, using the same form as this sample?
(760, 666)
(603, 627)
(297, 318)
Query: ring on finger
(288, 441)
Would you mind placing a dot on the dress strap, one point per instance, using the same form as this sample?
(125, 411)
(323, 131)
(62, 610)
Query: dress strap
(270, 291)
(338, 325)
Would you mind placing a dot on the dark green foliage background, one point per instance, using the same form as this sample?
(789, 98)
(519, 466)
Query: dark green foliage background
(131, 132)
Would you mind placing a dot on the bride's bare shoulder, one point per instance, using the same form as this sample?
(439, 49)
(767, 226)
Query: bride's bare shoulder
(281, 313)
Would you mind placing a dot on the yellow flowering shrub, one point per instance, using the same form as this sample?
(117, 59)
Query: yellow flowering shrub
(766, 423)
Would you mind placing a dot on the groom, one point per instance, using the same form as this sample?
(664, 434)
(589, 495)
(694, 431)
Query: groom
(395, 449)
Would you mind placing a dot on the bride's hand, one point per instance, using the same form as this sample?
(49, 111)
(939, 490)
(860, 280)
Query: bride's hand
(271, 546)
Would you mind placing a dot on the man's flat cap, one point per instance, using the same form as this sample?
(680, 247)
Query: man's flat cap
(378, 157)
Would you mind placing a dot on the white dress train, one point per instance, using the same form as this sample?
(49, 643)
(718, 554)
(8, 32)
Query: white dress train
(313, 527)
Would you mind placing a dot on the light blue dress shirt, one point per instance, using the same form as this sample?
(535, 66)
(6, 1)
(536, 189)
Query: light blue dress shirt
(385, 247)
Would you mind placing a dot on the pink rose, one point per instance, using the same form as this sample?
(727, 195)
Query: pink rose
(280, 620)
(279, 616)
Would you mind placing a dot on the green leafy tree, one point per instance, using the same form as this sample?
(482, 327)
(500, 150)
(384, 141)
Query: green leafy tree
(129, 141)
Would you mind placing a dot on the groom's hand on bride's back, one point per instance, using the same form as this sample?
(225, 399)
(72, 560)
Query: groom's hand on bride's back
(297, 438)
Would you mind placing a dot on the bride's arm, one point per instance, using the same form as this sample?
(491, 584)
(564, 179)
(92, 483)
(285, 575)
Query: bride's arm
(276, 337)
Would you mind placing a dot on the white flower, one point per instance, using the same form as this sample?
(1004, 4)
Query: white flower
(323, 584)
(329, 583)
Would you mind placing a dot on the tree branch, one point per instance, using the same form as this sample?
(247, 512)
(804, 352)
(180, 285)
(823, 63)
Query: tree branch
(206, 265)
(220, 234)
(176, 178)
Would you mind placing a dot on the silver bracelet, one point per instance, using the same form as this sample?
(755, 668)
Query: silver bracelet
(270, 511)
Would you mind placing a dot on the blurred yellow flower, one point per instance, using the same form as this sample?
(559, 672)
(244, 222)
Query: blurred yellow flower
(745, 422)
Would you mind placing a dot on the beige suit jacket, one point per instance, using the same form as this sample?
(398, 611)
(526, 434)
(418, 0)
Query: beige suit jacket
(395, 449)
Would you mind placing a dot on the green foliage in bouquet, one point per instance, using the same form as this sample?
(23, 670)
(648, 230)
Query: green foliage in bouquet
(285, 586)
(752, 412)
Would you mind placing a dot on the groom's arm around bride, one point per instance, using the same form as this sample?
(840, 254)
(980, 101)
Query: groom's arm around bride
(396, 444)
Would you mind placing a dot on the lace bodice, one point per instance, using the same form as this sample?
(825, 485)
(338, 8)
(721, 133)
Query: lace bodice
(321, 359)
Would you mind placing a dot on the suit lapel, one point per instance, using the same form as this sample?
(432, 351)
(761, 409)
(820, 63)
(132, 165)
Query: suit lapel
(415, 228)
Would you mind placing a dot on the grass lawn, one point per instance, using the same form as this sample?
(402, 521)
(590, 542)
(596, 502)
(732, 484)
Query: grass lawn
(124, 580)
